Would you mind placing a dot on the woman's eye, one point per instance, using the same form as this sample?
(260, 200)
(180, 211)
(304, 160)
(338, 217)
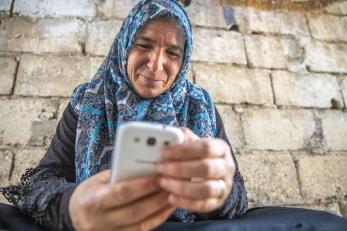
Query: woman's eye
(143, 46)
(174, 54)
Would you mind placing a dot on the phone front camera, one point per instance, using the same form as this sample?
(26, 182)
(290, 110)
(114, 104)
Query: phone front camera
(151, 141)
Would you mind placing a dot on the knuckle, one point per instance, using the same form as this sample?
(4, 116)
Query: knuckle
(208, 190)
(207, 146)
(86, 206)
(206, 168)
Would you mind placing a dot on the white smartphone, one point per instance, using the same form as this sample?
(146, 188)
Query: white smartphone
(138, 148)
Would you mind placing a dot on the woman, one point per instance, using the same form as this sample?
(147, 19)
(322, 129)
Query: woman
(142, 78)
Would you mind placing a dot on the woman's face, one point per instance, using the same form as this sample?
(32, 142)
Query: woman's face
(156, 57)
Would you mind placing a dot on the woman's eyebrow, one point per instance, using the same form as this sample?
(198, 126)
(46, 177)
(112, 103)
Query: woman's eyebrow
(149, 40)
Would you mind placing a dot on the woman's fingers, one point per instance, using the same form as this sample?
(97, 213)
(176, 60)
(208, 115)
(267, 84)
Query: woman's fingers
(137, 211)
(122, 193)
(204, 205)
(199, 148)
(194, 190)
(202, 168)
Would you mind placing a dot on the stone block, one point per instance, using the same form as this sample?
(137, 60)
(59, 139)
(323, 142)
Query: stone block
(322, 176)
(343, 207)
(232, 125)
(62, 105)
(55, 76)
(327, 27)
(326, 57)
(338, 8)
(3, 200)
(271, 129)
(334, 124)
(5, 5)
(218, 46)
(101, 35)
(18, 118)
(344, 89)
(43, 35)
(269, 177)
(234, 85)
(278, 22)
(114, 8)
(208, 15)
(7, 74)
(310, 90)
(55, 8)
(271, 52)
(24, 159)
(6, 159)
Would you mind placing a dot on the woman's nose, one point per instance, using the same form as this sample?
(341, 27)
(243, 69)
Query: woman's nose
(156, 61)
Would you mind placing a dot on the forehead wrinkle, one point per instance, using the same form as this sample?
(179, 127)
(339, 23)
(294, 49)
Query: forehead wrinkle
(149, 40)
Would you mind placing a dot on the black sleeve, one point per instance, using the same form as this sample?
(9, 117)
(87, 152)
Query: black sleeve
(44, 191)
(236, 203)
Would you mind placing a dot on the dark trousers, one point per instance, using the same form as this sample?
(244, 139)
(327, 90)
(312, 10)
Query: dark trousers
(256, 219)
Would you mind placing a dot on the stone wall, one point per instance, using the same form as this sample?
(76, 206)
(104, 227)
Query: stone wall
(279, 79)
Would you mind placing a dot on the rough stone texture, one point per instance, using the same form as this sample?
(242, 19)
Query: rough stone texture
(305, 90)
(328, 27)
(7, 74)
(6, 158)
(62, 105)
(232, 125)
(279, 22)
(339, 8)
(24, 115)
(114, 8)
(234, 85)
(326, 57)
(344, 89)
(334, 125)
(277, 129)
(224, 46)
(329, 172)
(269, 177)
(343, 207)
(101, 35)
(55, 76)
(24, 159)
(3, 199)
(208, 15)
(55, 8)
(46, 35)
(271, 52)
(5, 5)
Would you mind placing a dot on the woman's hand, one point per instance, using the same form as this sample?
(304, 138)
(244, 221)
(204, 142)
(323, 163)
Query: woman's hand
(137, 204)
(198, 173)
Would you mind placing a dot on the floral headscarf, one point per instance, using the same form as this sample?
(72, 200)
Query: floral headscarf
(108, 99)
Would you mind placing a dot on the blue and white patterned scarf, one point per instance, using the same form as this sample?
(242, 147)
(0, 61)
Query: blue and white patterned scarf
(108, 99)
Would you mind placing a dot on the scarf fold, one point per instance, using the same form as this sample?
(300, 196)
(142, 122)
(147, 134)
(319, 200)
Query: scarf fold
(108, 99)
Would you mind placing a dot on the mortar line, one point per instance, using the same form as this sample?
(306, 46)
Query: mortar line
(297, 174)
(12, 166)
(272, 88)
(15, 77)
